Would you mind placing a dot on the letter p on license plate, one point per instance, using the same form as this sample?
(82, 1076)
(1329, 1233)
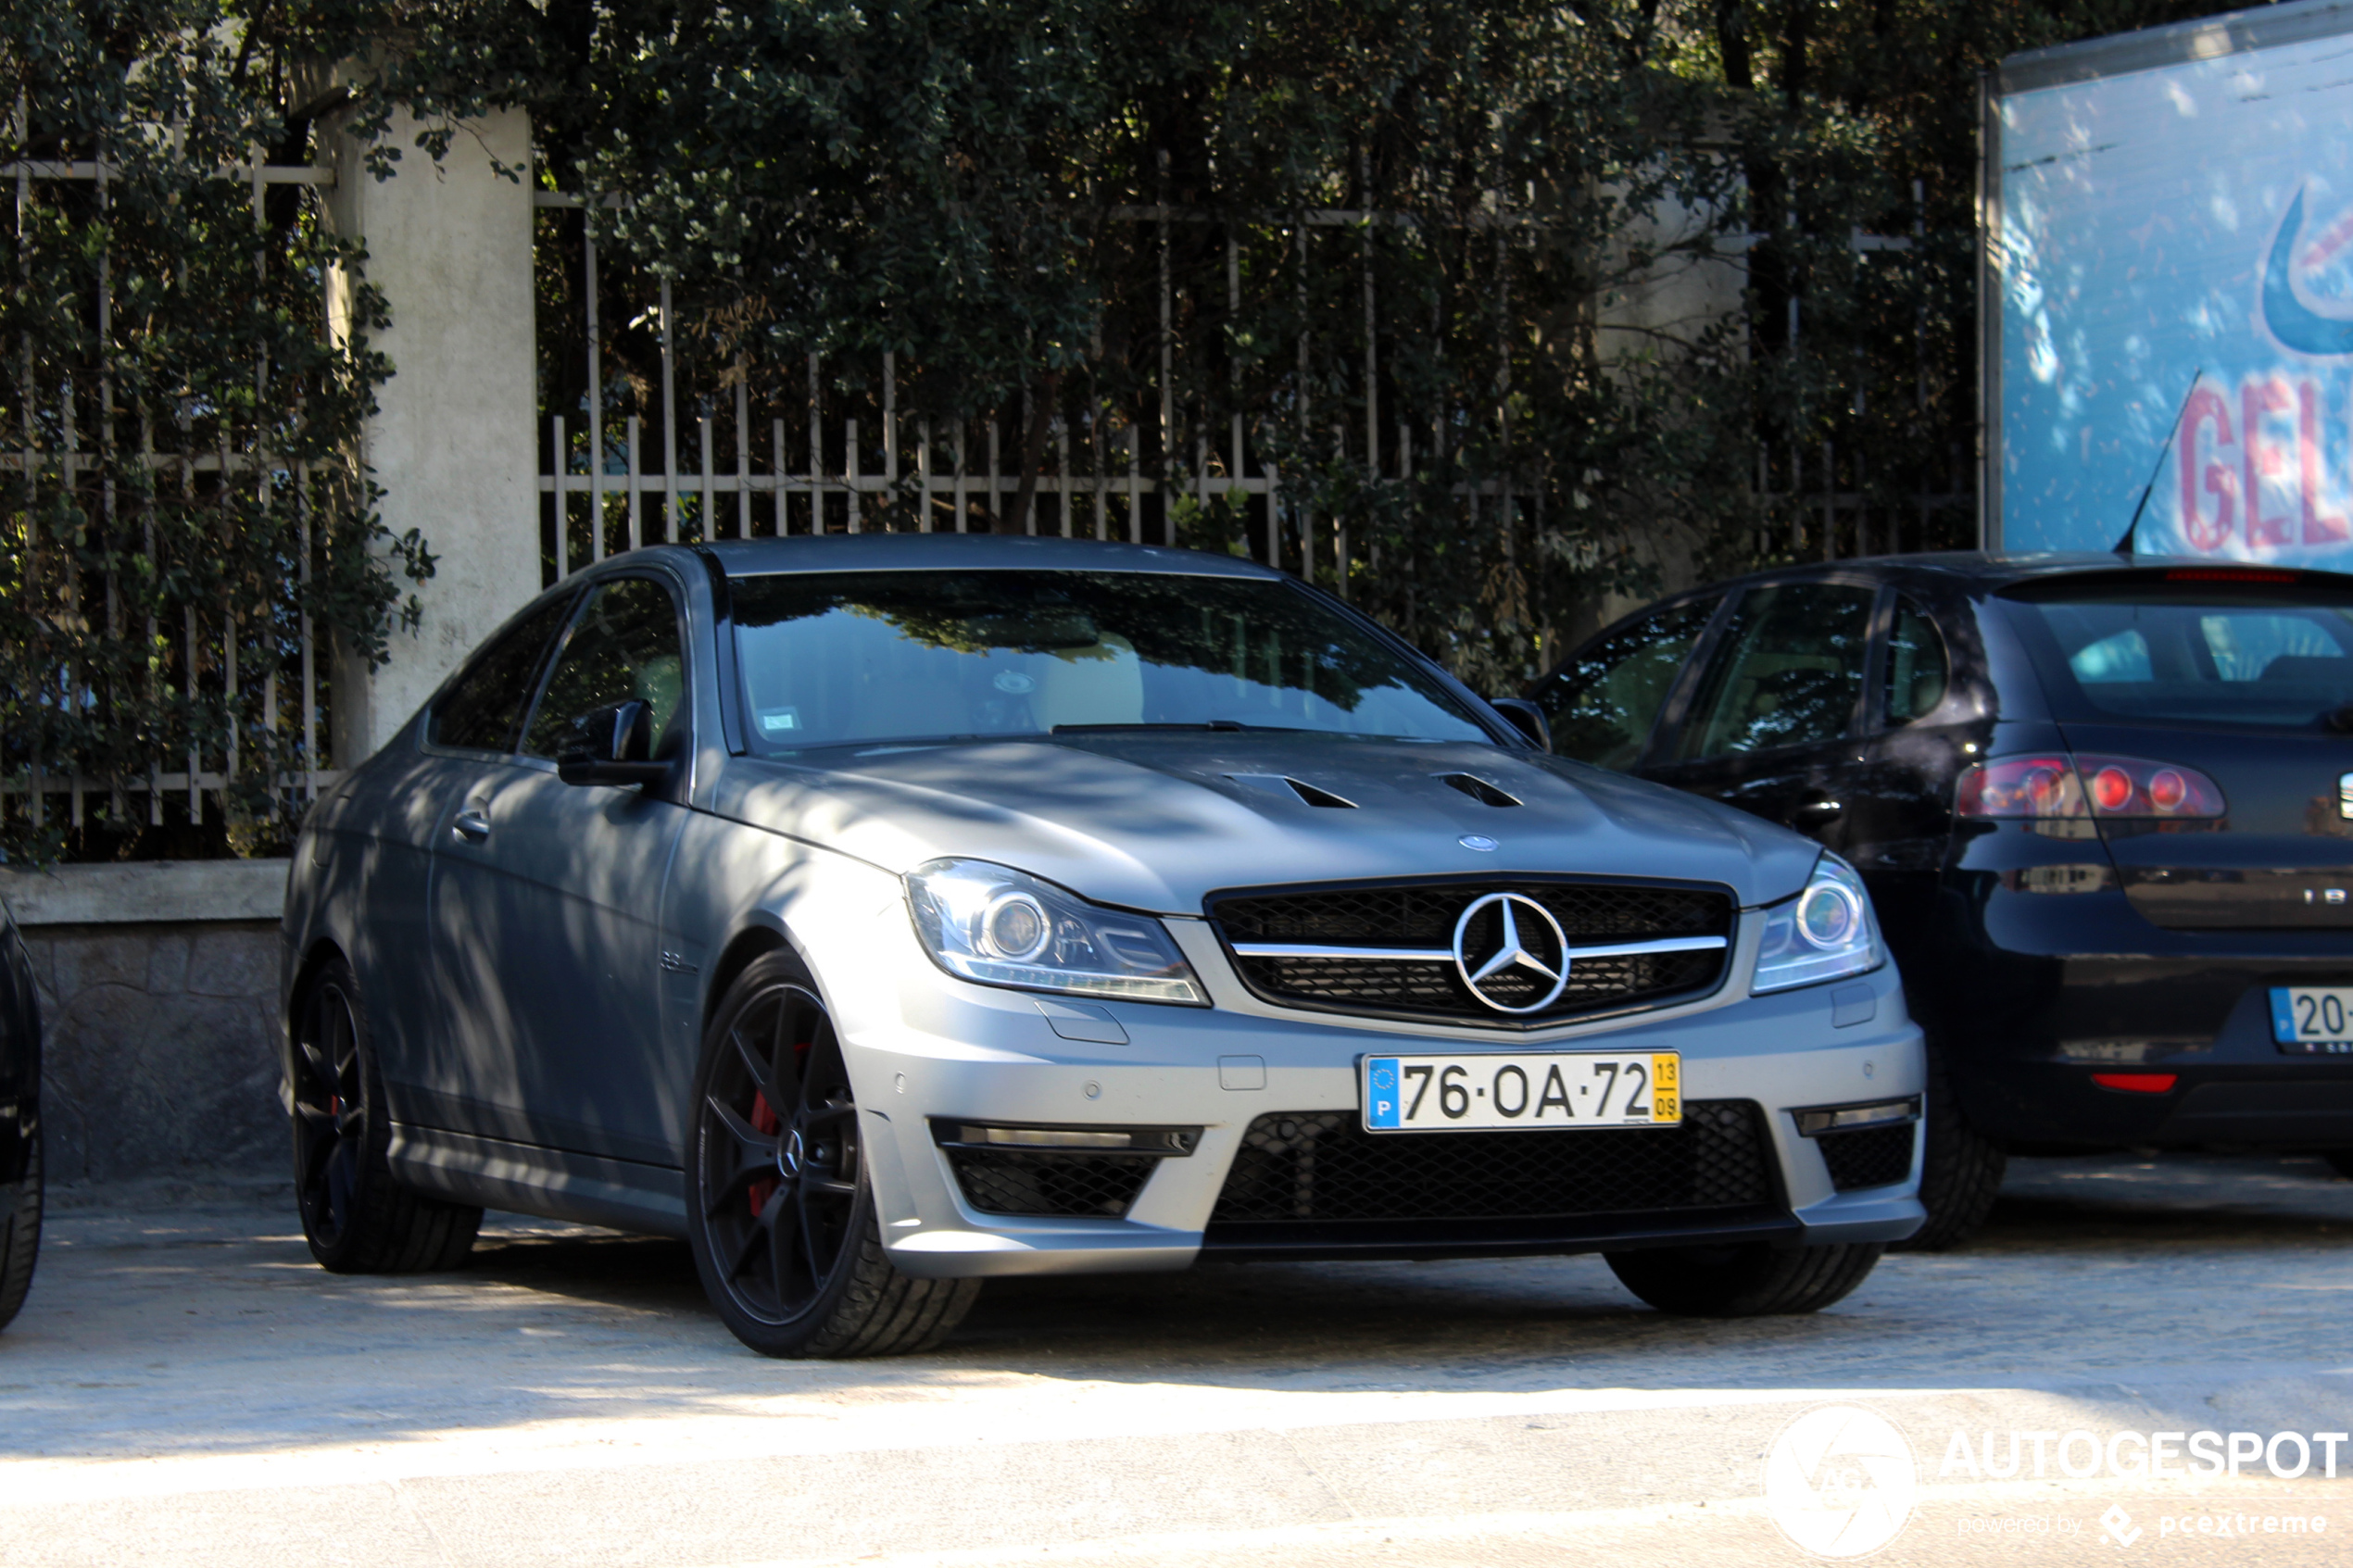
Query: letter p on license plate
(1488, 1093)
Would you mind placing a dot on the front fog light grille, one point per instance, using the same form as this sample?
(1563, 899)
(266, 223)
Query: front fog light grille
(1322, 1165)
(1872, 1157)
(1057, 1172)
(1866, 1145)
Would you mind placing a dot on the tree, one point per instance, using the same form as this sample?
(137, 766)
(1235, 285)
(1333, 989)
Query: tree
(150, 604)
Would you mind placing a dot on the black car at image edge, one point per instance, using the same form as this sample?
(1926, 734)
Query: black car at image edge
(2105, 807)
(19, 1120)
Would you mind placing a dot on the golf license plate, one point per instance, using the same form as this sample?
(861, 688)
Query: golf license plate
(2313, 1019)
(1459, 1094)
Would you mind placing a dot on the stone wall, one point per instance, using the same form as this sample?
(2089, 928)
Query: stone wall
(159, 1011)
(159, 1056)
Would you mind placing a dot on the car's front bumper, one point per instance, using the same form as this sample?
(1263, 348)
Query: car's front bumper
(958, 1052)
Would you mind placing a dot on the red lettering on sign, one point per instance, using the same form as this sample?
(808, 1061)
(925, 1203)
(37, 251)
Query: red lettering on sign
(2261, 461)
(2207, 533)
(2319, 527)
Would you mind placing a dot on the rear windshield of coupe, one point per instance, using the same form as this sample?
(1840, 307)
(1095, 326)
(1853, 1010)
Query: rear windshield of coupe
(847, 657)
(2203, 650)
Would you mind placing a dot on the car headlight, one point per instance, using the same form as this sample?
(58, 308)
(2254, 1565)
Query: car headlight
(1825, 933)
(1001, 927)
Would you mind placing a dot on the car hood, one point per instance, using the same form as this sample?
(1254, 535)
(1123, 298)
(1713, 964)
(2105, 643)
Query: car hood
(1156, 821)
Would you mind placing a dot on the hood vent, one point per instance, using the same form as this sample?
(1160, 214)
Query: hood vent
(1478, 789)
(1282, 784)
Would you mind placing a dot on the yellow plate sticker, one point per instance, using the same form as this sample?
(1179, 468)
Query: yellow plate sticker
(1667, 1089)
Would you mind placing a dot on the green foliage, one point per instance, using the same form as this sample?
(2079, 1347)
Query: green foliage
(1586, 232)
(1618, 303)
(150, 607)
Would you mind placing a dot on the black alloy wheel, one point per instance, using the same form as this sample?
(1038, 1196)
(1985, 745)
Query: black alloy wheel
(356, 1215)
(329, 1114)
(780, 1207)
(779, 1152)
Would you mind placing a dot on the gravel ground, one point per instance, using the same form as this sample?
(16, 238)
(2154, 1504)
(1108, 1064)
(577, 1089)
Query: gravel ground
(185, 1386)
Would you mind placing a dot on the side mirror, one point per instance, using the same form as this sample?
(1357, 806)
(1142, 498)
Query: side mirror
(1527, 718)
(614, 746)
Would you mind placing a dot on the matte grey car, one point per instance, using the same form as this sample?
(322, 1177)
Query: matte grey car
(884, 913)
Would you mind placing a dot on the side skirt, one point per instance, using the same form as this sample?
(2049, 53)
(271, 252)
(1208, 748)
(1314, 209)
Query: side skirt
(552, 1183)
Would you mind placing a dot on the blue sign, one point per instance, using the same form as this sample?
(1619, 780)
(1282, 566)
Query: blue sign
(2175, 253)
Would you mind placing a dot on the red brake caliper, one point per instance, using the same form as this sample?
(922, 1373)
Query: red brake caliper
(764, 1119)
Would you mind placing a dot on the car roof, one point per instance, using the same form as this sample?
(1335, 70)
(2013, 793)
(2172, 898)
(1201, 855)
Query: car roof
(1992, 570)
(932, 552)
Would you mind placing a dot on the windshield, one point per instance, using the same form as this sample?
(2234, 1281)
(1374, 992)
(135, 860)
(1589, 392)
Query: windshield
(2253, 656)
(844, 658)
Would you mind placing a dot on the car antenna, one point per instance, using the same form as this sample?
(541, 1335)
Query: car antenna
(2124, 546)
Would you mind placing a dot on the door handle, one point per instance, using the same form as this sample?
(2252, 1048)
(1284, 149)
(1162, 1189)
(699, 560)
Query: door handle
(470, 824)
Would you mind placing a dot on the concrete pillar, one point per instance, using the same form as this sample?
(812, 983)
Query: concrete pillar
(452, 442)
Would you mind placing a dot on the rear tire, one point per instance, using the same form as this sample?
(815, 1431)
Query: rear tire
(780, 1200)
(357, 1216)
(21, 1234)
(1961, 1168)
(1750, 1281)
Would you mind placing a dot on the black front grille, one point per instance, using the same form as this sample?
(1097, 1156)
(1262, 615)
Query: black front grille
(1321, 1165)
(1868, 1157)
(1423, 916)
(1100, 1186)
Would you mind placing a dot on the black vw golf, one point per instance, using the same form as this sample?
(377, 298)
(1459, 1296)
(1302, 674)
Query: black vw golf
(2105, 808)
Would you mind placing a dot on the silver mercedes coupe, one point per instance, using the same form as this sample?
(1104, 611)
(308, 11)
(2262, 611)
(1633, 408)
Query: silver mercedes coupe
(883, 913)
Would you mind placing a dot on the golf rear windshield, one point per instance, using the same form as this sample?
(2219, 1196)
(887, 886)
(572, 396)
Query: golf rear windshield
(2200, 647)
(846, 658)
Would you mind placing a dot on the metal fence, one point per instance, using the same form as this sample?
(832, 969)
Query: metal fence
(849, 458)
(204, 651)
(846, 457)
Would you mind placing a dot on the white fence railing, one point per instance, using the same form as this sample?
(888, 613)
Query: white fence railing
(292, 690)
(611, 493)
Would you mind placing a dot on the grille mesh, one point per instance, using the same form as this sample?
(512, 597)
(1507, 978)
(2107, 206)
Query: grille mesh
(1322, 1165)
(1589, 914)
(1868, 1157)
(1053, 1185)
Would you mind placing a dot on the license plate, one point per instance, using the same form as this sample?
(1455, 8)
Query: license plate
(2313, 1019)
(1456, 1093)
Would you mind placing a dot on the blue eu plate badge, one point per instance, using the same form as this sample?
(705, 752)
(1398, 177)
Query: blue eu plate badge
(1380, 1092)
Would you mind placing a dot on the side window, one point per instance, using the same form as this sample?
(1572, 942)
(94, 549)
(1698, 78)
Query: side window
(1917, 672)
(624, 647)
(1603, 703)
(483, 709)
(1787, 671)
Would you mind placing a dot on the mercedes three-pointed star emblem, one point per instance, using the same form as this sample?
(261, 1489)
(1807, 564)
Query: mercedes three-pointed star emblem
(1528, 936)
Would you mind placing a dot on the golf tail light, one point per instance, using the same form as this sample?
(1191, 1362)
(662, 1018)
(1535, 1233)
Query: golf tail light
(2138, 1083)
(2050, 784)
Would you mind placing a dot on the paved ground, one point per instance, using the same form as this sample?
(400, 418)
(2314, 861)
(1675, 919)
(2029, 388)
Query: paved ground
(185, 1387)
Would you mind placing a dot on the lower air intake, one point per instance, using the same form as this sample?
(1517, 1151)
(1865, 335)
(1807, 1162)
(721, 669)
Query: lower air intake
(1868, 1157)
(1053, 1186)
(1322, 1166)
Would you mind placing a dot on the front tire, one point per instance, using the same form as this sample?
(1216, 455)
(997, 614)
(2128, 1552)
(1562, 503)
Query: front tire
(19, 1234)
(1748, 1281)
(357, 1216)
(1961, 1168)
(780, 1202)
